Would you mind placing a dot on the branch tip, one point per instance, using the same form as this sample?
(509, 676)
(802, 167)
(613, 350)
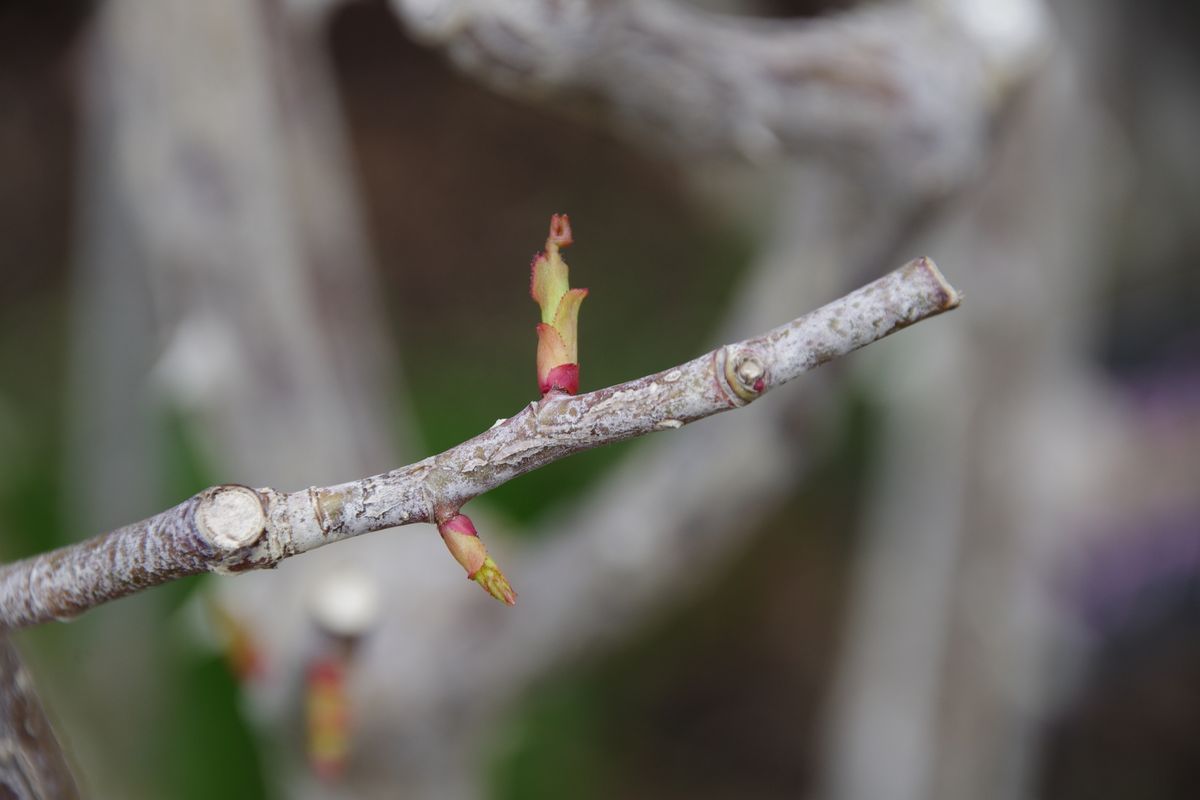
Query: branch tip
(951, 297)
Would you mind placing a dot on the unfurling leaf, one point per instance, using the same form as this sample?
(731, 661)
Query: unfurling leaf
(557, 353)
(494, 583)
(468, 549)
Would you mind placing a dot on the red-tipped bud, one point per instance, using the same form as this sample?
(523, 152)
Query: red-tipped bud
(560, 231)
(558, 331)
(468, 549)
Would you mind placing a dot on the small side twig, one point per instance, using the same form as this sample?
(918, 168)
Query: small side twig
(232, 528)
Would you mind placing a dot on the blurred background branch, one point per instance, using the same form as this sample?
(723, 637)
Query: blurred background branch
(32, 764)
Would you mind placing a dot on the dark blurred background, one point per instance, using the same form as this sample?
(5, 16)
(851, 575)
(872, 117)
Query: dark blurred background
(724, 690)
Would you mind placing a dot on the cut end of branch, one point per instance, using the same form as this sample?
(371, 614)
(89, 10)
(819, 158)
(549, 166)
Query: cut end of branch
(230, 516)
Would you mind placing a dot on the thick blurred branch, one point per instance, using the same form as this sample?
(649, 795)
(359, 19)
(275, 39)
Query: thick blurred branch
(32, 765)
(222, 270)
(233, 528)
(214, 143)
(954, 625)
(903, 92)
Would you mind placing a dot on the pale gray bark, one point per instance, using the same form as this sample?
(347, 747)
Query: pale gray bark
(233, 528)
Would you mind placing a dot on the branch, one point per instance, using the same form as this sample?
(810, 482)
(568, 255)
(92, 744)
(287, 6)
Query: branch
(32, 765)
(231, 528)
(703, 493)
(905, 90)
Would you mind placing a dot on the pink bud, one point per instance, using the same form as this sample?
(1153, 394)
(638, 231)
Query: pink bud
(468, 549)
(563, 378)
(464, 543)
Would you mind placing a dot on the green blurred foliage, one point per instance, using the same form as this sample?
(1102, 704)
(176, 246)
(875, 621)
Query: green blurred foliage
(31, 413)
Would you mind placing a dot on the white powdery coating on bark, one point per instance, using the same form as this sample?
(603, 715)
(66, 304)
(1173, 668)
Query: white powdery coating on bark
(233, 528)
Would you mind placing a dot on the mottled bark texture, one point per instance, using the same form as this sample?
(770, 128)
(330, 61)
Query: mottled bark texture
(234, 528)
(32, 765)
